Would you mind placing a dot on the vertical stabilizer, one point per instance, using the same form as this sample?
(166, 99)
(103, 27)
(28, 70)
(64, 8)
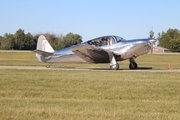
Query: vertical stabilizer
(43, 45)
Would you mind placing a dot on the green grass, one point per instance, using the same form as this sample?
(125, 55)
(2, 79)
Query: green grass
(156, 61)
(89, 95)
(34, 94)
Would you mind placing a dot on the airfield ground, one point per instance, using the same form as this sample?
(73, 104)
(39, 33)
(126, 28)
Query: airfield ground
(92, 69)
(89, 91)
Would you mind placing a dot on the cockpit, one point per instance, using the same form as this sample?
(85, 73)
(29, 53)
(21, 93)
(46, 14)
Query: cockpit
(105, 41)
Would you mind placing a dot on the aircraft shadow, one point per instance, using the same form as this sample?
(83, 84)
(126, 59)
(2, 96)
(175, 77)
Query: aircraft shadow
(75, 68)
(139, 68)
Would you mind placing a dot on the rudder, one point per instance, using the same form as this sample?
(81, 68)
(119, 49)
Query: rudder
(43, 45)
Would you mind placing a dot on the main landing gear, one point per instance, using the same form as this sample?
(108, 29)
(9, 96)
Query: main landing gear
(133, 65)
(114, 67)
(113, 64)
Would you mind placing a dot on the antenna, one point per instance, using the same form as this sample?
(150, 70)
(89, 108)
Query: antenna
(151, 33)
(152, 37)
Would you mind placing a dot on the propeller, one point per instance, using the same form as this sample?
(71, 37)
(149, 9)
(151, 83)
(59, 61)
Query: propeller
(151, 42)
(151, 48)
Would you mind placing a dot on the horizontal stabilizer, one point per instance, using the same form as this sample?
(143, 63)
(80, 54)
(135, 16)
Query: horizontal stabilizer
(43, 53)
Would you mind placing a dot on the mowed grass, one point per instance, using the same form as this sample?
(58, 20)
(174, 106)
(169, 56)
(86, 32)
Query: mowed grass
(156, 61)
(42, 94)
(94, 95)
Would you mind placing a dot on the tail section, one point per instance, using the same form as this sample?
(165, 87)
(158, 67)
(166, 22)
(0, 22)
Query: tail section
(43, 49)
(44, 45)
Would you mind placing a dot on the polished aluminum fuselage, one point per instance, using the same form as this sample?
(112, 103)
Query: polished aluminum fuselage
(126, 49)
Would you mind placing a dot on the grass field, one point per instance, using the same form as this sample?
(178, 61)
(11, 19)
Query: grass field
(89, 95)
(156, 61)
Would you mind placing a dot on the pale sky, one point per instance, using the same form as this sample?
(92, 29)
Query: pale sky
(129, 19)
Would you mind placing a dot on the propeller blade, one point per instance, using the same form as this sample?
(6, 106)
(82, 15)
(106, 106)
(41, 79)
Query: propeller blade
(151, 48)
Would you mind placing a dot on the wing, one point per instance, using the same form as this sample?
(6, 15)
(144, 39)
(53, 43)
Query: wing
(94, 54)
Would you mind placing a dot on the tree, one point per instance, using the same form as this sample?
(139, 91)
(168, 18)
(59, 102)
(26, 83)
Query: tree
(7, 42)
(29, 42)
(72, 39)
(170, 39)
(35, 38)
(19, 40)
(22, 41)
(59, 43)
(175, 45)
(151, 34)
(59, 46)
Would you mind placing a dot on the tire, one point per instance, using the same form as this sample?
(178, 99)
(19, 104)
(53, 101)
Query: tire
(47, 66)
(133, 65)
(115, 67)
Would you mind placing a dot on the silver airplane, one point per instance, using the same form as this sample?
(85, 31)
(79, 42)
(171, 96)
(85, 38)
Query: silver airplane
(105, 49)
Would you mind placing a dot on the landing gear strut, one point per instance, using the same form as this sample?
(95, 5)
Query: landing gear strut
(114, 67)
(113, 64)
(133, 64)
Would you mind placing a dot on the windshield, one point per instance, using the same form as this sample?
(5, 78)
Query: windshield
(102, 41)
(119, 39)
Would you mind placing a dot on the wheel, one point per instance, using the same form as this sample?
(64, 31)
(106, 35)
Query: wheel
(115, 67)
(133, 65)
(47, 66)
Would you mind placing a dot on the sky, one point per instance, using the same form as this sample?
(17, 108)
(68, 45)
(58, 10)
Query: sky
(130, 19)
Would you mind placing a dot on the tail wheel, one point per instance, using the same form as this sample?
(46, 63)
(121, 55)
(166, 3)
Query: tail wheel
(47, 66)
(115, 67)
(133, 65)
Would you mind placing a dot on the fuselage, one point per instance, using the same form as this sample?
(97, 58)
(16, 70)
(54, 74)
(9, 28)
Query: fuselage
(125, 48)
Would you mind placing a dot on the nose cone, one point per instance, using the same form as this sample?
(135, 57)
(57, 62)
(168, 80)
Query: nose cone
(152, 40)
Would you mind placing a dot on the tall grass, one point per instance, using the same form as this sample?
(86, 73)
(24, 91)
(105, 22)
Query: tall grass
(96, 95)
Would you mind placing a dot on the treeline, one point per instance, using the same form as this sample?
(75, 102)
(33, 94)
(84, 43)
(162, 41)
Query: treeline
(22, 41)
(170, 39)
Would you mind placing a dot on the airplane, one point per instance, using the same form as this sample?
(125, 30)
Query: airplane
(106, 49)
